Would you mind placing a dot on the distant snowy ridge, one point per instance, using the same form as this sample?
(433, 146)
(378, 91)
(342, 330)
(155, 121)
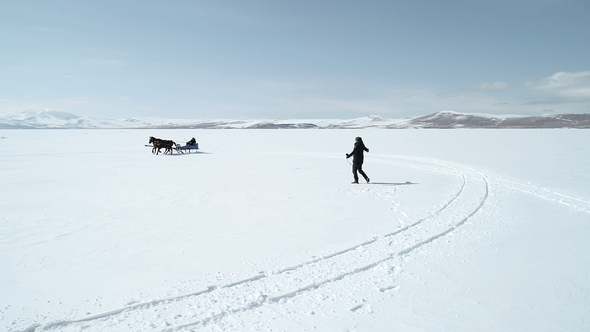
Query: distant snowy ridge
(441, 120)
(460, 120)
(56, 120)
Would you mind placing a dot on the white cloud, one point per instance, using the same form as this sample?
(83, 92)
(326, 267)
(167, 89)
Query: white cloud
(493, 86)
(574, 86)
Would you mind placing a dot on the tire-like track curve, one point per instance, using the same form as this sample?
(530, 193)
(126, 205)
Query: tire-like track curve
(198, 309)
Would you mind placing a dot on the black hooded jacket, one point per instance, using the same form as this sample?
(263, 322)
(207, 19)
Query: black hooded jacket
(357, 152)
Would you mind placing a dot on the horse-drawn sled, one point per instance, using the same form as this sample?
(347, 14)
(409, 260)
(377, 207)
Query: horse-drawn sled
(186, 148)
(169, 146)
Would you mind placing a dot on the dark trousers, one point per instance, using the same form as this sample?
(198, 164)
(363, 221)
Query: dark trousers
(358, 168)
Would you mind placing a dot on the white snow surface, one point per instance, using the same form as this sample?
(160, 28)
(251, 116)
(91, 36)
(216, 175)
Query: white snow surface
(458, 230)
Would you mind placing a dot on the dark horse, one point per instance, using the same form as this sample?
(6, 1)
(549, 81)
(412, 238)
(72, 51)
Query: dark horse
(159, 143)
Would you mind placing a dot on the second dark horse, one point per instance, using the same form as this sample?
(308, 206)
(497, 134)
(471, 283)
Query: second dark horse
(159, 143)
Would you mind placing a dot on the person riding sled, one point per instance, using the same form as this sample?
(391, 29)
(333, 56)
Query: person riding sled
(191, 142)
(357, 160)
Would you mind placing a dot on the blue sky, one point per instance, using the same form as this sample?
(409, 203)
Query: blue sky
(294, 59)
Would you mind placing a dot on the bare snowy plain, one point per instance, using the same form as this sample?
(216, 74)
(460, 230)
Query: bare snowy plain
(459, 230)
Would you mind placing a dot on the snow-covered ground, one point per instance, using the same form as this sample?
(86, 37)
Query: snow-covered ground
(459, 230)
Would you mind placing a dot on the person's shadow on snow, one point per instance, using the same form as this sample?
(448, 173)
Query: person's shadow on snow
(407, 183)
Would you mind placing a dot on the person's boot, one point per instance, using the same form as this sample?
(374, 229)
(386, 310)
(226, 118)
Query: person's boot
(365, 176)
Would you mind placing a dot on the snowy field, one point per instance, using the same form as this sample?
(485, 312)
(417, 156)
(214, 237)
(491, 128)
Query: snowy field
(459, 230)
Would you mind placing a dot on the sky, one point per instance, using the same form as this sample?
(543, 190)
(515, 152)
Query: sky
(294, 59)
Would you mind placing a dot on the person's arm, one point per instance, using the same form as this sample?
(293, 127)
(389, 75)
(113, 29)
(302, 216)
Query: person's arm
(348, 155)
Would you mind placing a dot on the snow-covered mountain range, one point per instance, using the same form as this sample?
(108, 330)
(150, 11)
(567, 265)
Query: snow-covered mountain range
(447, 120)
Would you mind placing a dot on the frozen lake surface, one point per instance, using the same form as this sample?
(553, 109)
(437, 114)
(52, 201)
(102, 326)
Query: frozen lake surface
(459, 230)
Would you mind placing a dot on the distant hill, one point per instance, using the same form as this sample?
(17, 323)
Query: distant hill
(56, 120)
(459, 120)
(440, 120)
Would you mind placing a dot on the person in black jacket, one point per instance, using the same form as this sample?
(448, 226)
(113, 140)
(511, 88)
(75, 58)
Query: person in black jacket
(357, 160)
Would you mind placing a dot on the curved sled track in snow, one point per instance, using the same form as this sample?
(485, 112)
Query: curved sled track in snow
(208, 306)
(575, 203)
